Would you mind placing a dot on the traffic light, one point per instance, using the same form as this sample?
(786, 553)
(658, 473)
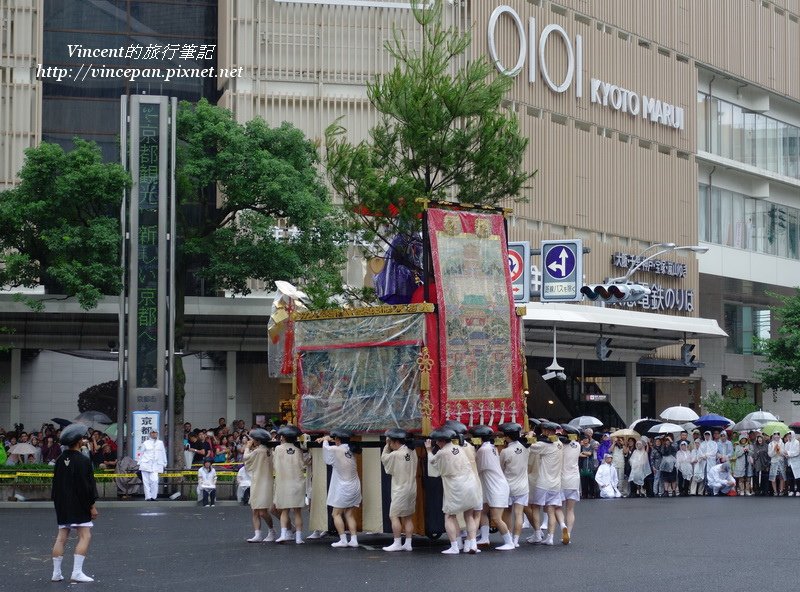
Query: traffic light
(687, 357)
(615, 293)
(602, 348)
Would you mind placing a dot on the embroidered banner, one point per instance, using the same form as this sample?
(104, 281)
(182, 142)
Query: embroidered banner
(480, 379)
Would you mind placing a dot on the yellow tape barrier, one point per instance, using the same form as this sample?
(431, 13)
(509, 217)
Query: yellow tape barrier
(167, 475)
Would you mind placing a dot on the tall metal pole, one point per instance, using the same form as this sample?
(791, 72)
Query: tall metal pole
(171, 322)
(121, 348)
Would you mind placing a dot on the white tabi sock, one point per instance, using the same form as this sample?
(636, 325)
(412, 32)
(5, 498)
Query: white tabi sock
(298, 536)
(515, 539)
(57, 566)
(485, 532)
(78, 566)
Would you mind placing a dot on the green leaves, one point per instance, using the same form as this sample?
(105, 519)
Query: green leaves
(442, 135)
(60, 225)
(266, 178)
(782, 352)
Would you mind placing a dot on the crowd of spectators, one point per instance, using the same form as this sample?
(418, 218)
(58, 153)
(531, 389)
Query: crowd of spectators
(223, 444)
(709, 462)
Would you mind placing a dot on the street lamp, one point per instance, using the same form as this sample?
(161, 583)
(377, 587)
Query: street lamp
(665, 248)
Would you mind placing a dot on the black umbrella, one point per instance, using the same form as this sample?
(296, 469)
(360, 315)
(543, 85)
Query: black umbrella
(61, 421)
(643, 425)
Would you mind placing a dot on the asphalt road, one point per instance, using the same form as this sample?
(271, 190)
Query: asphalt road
(685, 544)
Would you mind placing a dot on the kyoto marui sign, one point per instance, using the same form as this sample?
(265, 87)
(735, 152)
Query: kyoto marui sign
(532, 49)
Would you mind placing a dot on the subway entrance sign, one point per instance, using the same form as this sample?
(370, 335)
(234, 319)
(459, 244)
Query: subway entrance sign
(562, 270)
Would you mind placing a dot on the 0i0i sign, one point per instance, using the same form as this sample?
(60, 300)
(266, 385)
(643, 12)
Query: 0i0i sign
(533, 48)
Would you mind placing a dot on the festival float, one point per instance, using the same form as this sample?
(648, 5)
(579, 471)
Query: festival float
(445, 346)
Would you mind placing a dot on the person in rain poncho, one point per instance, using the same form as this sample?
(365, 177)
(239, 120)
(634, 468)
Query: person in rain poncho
(570, 478)
(259, 464)
(724, 447)
(760, 458)
(152, 460)
(607, 479)
(683, 462)
(720, 479)
(467, 448)
(461, 488)
(548, 483)
(514, 460)
(400, 462)
(344, 491)
(290, 463)
(495, 488)
(640, 469)
(707, 454)
(777, 464)
(743, 467)
(668, 470)
(793, 460)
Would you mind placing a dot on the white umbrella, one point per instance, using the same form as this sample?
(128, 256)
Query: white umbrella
(94, 416)
(761, 416)
(689, 426)
(678, 414)
(665, 428)
(586, 421)
(22, 448)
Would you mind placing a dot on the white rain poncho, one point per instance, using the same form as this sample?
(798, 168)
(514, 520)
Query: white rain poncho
(344, 490)
(495, 487)
(290, 479)
(607, 480)
(640, 465)
(461, 488)
(401, 464)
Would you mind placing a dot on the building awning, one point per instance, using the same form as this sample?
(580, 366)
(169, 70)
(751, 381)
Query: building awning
(634, 334)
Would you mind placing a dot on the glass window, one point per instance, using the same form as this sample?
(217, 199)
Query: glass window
(750, 144)
(745, 326)
(702, 122)
(772, 145)
(713, 215)
(750, 223)
(761, 141)
(737, 133)
(725, 129)
(737, 214)
(702, 214)
(714, 120)
(791, 152)
(725, 218)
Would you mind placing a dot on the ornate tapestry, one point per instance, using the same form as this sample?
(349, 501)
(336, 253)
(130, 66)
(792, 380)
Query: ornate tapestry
(478, 327)
(359, 373)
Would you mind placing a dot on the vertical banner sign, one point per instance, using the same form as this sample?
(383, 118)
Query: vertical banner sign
(143, 423)
(149, 158)
(519, 265)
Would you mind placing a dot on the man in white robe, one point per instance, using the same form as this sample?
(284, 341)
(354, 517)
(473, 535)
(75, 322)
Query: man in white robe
(461, 490)
(400, 462)
(152, 460)
(607, 479)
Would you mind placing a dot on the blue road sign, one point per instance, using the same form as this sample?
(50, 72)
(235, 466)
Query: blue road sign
(562, 266)
(560, 261)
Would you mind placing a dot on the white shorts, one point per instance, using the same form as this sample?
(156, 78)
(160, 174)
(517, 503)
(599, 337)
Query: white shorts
(544, 497)
(570, 494)
(522, 500)
(83, 525)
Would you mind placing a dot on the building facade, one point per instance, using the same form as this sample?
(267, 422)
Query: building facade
(669, 122)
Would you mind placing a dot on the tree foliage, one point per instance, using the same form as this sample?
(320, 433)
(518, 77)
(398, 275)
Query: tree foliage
(442, 135)
(100, 397)
(727, 406)
(61, 223)
(266, 177)
(782, 352)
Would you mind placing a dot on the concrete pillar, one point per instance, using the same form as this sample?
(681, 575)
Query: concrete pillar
(230, 387)
(15, 414)
(633, 393)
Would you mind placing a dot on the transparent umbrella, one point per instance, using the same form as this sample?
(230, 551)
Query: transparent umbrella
(678, 414)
